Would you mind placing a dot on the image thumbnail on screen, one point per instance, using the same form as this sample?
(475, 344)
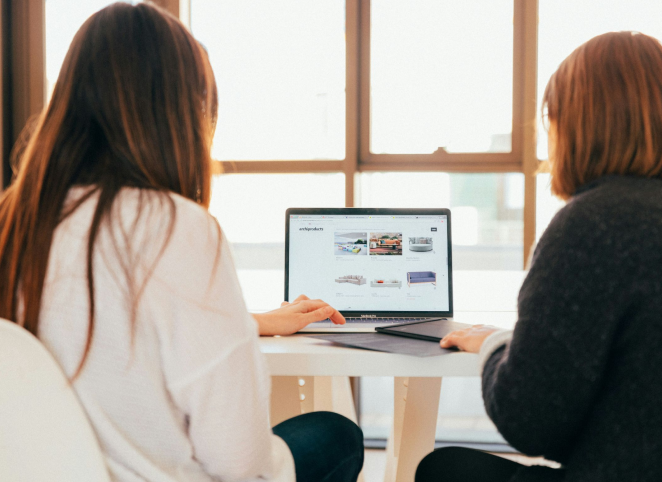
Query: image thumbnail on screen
(385, 244)
(420, 244)
(350, 243)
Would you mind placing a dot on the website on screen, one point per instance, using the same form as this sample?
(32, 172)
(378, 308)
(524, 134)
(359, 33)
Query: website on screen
(370, 263)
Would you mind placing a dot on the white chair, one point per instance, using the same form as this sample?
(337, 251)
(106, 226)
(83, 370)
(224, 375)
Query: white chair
(44, 433)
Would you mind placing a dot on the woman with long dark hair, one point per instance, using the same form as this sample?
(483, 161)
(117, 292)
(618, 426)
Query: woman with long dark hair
(578, 380)
(109, 256)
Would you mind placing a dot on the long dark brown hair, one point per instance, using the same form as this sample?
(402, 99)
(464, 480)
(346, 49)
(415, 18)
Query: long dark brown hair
(134, 106)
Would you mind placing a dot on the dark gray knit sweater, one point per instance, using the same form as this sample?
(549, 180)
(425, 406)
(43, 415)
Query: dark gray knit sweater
(581, 381)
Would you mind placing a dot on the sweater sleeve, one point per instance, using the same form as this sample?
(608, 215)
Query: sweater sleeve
(213, 369)
(492, 343)
(539, 388)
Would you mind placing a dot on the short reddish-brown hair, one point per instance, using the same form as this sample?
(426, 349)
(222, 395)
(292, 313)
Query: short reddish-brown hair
(605, 105)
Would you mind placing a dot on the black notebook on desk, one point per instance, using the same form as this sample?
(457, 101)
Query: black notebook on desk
(422, 339)
(427, 330)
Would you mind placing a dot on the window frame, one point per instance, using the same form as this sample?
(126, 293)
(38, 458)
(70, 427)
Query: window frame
(440, 159)
(26, 40)
(22, 73)
(358, 157)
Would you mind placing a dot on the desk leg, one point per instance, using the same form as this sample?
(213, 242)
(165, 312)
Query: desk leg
(414, 426)
(323, 394)
(343, 400)
(393, 443)
(285, 401)
(315, 394)
(307, 393)
(332, 394)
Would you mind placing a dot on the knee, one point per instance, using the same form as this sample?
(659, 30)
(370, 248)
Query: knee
(340, 430)
(325, 446)
(323, 427)
(315, 433)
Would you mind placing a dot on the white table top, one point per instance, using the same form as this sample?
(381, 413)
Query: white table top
(299, 355)
(487, 297)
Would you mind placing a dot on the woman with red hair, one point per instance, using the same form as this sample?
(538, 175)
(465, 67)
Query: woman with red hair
(578, 380)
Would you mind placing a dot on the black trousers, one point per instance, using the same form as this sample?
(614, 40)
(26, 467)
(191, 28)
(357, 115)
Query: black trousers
(450, 464)
(457, 464)
(326, 447)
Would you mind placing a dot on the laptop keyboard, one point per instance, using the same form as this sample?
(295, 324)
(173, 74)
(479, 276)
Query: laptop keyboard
(386, 320)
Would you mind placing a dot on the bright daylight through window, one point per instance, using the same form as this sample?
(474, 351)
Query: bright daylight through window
(63, 19)
(564, 26)
(280, 70)
(441, 75)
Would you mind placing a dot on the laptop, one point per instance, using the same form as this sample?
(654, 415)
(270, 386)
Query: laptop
(378, 267)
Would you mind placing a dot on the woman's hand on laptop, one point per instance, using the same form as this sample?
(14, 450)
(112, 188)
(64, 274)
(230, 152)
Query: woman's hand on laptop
(291, 317)
(470, 339)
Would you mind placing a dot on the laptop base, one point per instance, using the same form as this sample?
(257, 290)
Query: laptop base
(360, 325)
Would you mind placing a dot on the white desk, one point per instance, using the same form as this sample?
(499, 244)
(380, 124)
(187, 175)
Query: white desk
(300, 355)
(323, 369)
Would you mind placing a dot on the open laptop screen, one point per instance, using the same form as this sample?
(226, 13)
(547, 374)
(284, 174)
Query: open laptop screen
(371, 260)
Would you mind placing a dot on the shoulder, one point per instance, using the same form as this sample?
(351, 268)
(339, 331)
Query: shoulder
(608, 203)
(160, 203)
(152, 216)
(138, 215)
(191, 214)
(614, 214)
(168, 237)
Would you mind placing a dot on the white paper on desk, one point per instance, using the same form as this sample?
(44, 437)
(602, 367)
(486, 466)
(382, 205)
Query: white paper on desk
(386, 343)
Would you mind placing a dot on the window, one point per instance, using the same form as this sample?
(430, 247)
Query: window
(486, 211)
(564, 26)
(280, 70)
(63, 19)
(441, 75)
(346, 103)
(251, 211)
(337, 86)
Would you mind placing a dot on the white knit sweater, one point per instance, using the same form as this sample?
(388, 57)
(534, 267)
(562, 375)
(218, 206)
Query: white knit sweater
(182, 393)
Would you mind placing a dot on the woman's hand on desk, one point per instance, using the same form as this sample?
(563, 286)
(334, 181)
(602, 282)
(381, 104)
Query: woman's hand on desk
(291, 317)
(470, 339)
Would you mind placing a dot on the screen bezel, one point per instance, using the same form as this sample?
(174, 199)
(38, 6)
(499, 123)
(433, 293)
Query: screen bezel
(376, 212)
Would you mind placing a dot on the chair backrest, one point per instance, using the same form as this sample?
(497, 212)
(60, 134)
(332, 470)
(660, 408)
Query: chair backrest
(44, 432)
